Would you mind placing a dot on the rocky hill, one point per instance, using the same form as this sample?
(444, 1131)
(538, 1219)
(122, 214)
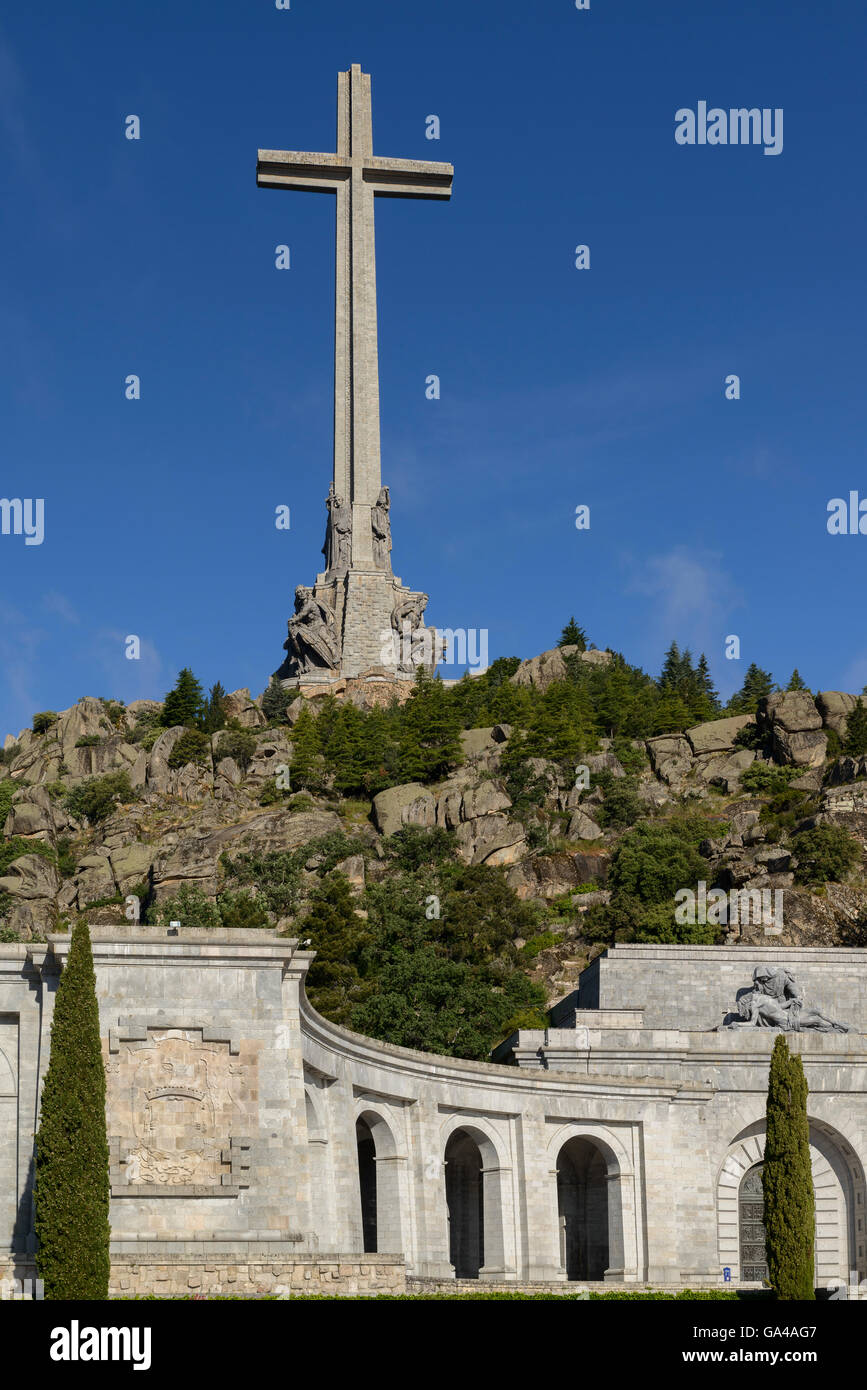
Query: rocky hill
(106, 812)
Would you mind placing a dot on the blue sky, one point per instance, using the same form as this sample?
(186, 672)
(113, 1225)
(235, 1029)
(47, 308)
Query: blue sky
(560, 387)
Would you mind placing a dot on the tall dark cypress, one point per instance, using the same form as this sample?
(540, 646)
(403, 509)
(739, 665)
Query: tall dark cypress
(72, 1184)
(787, 1180)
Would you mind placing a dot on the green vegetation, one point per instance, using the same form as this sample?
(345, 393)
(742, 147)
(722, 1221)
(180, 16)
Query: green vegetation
(573, 636)
(237, 743)
(787, 1179)
(826, 853)
(96, 798)
(757, 686)
(88, 741)
(15, 847)
(43, 722)
(185, 704)
(8, 789)
(855, 742)
(765, 779)
(276, 701)
(71, 1194)
(192, 747)
(650, 864)
(214, 716)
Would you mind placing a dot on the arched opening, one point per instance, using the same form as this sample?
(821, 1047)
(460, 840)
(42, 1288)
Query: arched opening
(465, 1202)
(582, 1199)
(366, 1147)
(839, 1188)
(751, 1227)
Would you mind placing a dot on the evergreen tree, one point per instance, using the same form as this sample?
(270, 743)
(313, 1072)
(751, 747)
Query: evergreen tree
(573, 636)
(757, 686)
(855, 742)
(672, 669)
(185, 704)
(787, 1180)
(306, 762)
(72, 1190)
(429, 745)
(795, 682)
(334, 981)
(706, 696)
(214, 717)
(275, 702)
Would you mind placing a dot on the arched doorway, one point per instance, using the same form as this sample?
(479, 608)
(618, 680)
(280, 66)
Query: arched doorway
(751, 1228)
(582, 1201)
(366, 1148)
(839, 1188)
(465, 1202)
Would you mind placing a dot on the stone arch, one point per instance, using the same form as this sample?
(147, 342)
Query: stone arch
(613, 1217)
(839, 1186)
(379, 1185)
(475, 1191)
(7, 1076)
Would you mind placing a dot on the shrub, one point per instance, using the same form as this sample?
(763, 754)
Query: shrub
(88, 741)
(241, 911)
(191, 747)
(8, 789)
(66, 860)
(622, 807)
(15, 848)
(765, 779)
(239, 744)
(190, 906)
(147, 729)
(96, 798)
(71, 1195)
(825, 853)
(43, 722)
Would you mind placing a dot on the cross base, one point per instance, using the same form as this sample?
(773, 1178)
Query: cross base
(363, 602)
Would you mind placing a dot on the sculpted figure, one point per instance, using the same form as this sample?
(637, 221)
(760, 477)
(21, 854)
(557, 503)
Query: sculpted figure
(381, 530)
(775, 1001)
(312, 641)
(338, 535)
(412, 638)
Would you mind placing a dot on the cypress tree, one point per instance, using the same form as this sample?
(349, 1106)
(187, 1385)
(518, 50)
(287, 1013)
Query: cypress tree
(787, 1179)
(72, 1187)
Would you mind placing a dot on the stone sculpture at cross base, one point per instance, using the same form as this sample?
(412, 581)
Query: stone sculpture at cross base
(775, 1001)
(358, 621)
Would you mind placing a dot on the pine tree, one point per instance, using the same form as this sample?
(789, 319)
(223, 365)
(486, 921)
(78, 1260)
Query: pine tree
(706, 685)
(672, 669)
(185, 704)
(215, 710)
(757, 686)
(787, 1180)
(306, 762)
(72, 1189)
(573, 636)
(429, 731)
(795, 682)
(855, 742)
(275, 702)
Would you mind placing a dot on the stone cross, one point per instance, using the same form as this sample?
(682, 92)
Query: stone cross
(357, 176)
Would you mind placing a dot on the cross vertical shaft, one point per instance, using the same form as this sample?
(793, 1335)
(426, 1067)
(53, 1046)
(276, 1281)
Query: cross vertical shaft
(357, 177)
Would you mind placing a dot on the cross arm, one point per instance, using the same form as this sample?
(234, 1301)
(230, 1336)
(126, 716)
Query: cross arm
(297, 169)
(409, 178)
